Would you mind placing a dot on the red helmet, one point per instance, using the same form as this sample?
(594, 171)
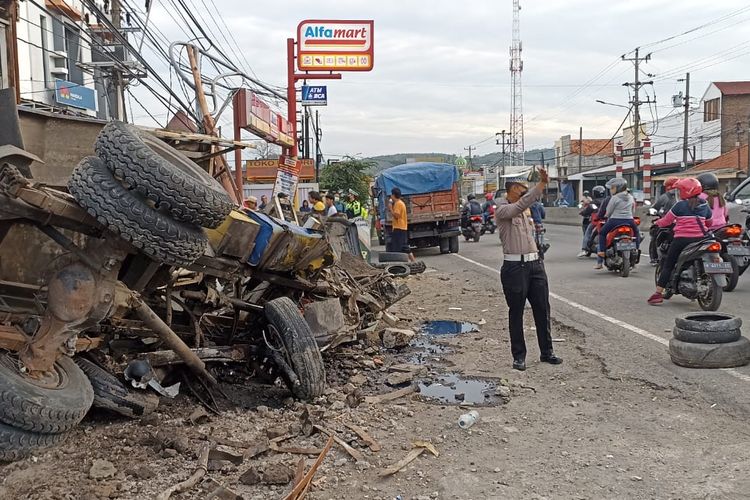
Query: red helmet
(488, 197)
(669, 184)
(689, 187)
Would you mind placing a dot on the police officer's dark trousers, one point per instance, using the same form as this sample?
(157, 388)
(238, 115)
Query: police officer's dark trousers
(527, 281)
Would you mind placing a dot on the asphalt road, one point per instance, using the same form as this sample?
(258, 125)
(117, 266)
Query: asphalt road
(630, 336)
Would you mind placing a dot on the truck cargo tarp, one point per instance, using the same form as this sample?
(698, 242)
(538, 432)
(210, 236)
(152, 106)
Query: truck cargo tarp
(418, 178)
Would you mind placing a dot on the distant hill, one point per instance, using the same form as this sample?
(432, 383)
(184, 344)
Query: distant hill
(386, 161)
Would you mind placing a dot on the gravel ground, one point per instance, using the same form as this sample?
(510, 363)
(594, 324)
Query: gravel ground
(569, 431)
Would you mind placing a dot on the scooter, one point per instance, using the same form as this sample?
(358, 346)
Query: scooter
(489, 225)
(700, 273)
(735, 250)
(471, 226)
(621, 252)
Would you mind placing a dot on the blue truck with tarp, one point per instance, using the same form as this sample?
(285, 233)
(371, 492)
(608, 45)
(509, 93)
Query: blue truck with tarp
(430, 192)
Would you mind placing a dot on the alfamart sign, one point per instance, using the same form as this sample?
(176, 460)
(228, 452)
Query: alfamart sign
(326, 45)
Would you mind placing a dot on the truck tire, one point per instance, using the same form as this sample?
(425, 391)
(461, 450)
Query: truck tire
(16, 444)
(727, 355)
(163, 175)
(113, 395)
(393, 257)
(50, 406)
(159, 236)
(453, 244)
(695, 337)
(710, 322)
(445, 245)
(301, 350)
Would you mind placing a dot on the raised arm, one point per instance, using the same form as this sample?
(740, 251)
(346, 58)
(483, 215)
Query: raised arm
(510, 210)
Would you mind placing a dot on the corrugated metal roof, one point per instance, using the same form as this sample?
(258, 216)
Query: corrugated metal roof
(733, 88)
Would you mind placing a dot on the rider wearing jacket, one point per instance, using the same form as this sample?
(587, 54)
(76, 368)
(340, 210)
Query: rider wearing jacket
(690, 216)
(599, 194)
(472, 206)
(619, 211)
(710, 185)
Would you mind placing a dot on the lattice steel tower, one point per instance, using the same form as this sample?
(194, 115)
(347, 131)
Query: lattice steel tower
(516, 105)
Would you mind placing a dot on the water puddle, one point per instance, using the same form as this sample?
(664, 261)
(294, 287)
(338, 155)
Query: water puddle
(452, 389)
(447, 327)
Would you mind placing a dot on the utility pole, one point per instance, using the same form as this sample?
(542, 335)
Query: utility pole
(117, 78)
(470, 149)
(318, 154)
(687, 111)
(636, 102)
(504, 141)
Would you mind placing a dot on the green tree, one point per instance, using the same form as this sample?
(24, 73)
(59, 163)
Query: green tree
(349, 173)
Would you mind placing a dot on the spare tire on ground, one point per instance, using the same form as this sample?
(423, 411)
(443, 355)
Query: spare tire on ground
(16, 443)
(159, 236)
(163, 175)
(298, 348)
(52, 404)
(726, 355)
(720, 337)
(708, 322)
(393, 257)
(399, 270)
(113, 395)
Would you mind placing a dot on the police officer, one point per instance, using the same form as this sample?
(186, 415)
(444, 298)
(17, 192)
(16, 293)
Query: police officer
(523, 276)
(353, 207)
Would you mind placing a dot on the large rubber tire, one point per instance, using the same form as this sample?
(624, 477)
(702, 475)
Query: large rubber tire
(299, 343)
(445, 245)
(453, 244)
(625, 269)
(159, 236)
(16, 444)
(727, 355)
(393, 257)
(53, 406)
(113, 395)
(163, 174)
(399, 270)
(733, 278)
(713, 302)
(711, 322)
(719, 337)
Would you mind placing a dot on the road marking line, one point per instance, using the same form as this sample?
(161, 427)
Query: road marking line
(609, 319)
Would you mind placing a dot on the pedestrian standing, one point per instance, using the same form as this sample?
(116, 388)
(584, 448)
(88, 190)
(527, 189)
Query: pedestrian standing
(263, 202)
(399, 226)
(522, 275)
(330, 205)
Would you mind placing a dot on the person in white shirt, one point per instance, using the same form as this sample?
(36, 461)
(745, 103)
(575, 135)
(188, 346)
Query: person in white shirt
(330, 206)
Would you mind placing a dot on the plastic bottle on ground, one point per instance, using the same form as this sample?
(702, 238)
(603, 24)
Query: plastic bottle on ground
(468, 419)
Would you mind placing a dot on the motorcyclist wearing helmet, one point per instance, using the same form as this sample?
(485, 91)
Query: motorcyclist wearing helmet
(669, 197)
(663, 204)
(619, 212)
(690, 216)
(585, 202)
(599, 195)
(488, 207)
(710, 185)
(472, 206)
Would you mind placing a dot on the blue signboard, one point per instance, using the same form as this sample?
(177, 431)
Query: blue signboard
(74, 94)
(314, 95)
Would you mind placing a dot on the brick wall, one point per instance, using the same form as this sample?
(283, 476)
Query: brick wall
(734, 108)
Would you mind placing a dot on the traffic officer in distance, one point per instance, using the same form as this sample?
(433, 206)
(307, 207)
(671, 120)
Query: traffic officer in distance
(522, 274)
(353, 206)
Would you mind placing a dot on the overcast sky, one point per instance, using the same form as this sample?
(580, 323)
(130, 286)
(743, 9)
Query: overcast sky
(441, 80)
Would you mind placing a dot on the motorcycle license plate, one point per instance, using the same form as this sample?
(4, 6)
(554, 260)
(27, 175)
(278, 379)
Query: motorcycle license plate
(717, 267)
(625, 245)
(738, 250)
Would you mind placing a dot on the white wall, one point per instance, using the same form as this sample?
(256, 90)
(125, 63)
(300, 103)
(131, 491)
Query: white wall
(31, 61)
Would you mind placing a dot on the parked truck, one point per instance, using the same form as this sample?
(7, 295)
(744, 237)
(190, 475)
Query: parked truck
(430, 192)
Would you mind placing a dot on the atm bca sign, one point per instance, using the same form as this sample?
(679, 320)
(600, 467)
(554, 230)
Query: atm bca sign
(314, 95)
(325, 45)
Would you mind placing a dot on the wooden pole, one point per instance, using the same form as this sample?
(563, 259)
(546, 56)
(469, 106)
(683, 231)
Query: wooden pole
(209, 126)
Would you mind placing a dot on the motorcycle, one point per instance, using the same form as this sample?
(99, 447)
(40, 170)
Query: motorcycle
(745, 263)
(489, 225)
(621, 252)
(471, 226)
(541, 246)
(735, 250)
(700, 272)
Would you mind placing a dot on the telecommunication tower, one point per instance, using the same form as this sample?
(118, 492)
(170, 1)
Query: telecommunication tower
(516, 106)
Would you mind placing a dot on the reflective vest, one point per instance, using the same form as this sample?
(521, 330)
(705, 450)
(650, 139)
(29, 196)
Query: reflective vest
(355, 208)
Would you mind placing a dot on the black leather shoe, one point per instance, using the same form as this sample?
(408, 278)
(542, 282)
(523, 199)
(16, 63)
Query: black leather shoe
(519, 364)
(551, 359)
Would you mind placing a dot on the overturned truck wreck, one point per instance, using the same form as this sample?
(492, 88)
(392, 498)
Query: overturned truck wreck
(145, 272)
